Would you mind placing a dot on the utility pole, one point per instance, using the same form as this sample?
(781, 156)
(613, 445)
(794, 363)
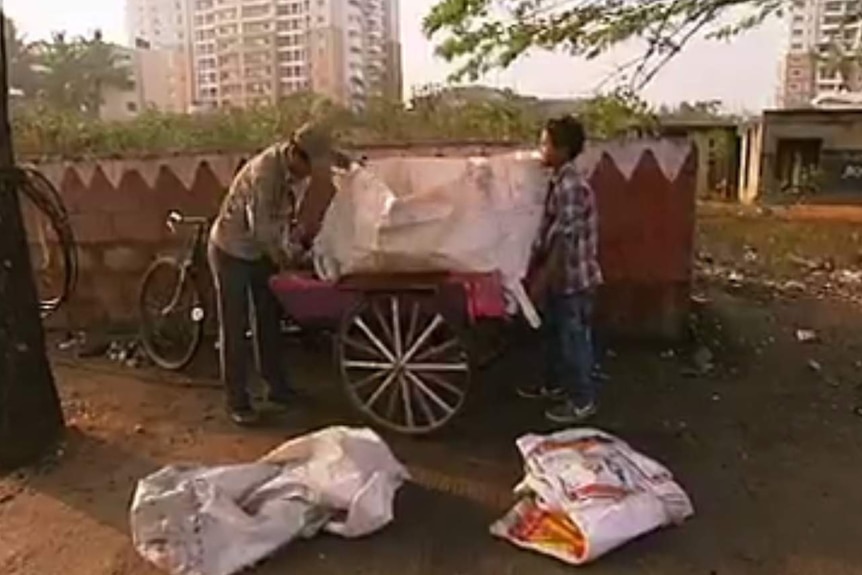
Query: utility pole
(31, 420)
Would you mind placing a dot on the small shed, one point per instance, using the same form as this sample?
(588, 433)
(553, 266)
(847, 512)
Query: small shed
(809, 154)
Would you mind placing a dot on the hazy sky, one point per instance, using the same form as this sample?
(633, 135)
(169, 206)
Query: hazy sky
(743, 74)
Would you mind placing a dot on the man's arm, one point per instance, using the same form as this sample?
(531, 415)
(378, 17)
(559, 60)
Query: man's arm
(265, 201)
(318, 197)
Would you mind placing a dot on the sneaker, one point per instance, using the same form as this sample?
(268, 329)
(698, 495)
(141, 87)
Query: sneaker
(285, 399)
(244, 417)
(601, 375)
(539, 392)
(568, 413)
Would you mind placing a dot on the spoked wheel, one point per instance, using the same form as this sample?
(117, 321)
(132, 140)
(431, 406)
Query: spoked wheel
(403, 364)
(171, 315)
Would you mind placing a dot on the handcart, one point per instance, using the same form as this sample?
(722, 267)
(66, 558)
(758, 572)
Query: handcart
(405, 342)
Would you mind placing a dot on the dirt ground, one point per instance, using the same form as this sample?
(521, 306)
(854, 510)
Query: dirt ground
(768, 443)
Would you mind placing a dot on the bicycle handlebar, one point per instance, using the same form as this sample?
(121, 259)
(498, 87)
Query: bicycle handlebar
(176, 218)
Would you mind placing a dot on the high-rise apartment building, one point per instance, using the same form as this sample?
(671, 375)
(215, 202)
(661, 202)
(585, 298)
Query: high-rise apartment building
(161, 23)
(252, 52)
(159, 30)
(820, 31)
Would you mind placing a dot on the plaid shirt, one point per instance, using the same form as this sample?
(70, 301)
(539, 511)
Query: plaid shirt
(570, 211)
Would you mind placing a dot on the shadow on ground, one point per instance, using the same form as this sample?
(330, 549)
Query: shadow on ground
(768, 448)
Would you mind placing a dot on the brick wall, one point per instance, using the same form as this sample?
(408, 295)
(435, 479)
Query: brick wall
(646, 201)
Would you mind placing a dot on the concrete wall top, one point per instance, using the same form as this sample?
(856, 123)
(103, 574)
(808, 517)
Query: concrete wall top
(670, 154)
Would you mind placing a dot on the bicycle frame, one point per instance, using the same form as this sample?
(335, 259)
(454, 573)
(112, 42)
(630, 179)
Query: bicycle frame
(193, 257)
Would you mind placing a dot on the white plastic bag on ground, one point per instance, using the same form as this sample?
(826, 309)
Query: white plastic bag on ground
(195, 520)
(586, 493)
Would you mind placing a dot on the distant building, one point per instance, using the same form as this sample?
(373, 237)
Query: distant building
(163, 77)
(819, 29)
(817, 152)
(256, 52)
(122, 103)
(159, 30)
(154, 84)
(159, 23)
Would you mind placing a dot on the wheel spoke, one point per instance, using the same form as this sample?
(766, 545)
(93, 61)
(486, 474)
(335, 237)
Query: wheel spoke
(379, 392)
(374, 339)
(408, 401)
(448, 367)
(425, 407)
(420, 341)
(393, 400)
(368, 379)
(360, 346)
(440, 382)
(396, 327)
(362, 364)
(437, 349)
(384, 325)
(413, 324)
(422, 388)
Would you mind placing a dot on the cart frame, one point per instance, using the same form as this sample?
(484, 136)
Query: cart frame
(405, 342)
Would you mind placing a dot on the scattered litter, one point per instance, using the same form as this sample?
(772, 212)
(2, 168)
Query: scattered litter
(196, 520)
(72, 341)
(586, 493)
(793, 286)
(849, 276)
(88, 349)
(8, 497)
(815, 366)
(703, 359)
(806, 335)
(749, 254)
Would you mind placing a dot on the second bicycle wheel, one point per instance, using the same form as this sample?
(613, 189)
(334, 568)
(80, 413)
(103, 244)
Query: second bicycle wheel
(171, 315)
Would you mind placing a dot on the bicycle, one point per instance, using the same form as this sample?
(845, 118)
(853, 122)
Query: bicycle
(172, 321)
(54, 251)
(173, 327)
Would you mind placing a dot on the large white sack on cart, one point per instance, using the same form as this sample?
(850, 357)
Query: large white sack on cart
(585, 493)
(423, 214)
(196, 520)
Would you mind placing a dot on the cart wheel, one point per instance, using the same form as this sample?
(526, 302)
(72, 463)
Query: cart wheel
(403, 364)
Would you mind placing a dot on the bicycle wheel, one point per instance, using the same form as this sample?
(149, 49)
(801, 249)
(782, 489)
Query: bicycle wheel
(51, 241)
(171, 314)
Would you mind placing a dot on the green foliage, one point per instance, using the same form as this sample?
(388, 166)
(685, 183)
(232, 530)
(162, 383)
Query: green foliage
(481, 35)
(65, 74)
(20, 61)
(620, 112)
(434, 116)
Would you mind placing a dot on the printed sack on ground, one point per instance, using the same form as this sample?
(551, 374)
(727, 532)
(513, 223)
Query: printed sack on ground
(585, 493)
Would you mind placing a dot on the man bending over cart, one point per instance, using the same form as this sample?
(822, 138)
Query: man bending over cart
(567, 275)
(264, 205)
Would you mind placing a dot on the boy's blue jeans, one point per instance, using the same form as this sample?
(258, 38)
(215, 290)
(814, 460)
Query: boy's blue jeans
(569, 346)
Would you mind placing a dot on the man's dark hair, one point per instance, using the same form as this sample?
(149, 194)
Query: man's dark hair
(566, 132)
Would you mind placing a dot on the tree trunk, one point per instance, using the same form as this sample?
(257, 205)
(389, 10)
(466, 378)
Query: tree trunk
(30, 416)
